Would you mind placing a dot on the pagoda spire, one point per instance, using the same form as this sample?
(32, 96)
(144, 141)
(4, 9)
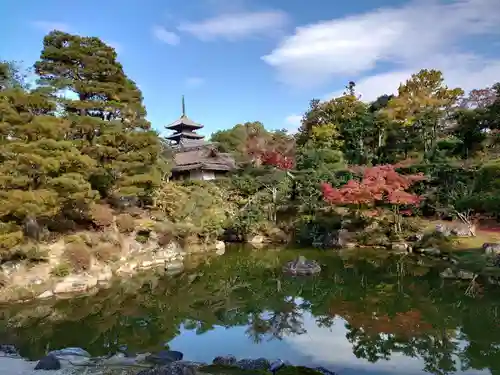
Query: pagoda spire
(183, 107)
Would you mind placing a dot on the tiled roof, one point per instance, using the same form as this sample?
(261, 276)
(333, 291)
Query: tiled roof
(185, 134)
(205, 158)
(186, 122)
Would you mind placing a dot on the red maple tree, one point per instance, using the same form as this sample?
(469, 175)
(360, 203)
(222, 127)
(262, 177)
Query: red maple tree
(379, 185)
(277, 160)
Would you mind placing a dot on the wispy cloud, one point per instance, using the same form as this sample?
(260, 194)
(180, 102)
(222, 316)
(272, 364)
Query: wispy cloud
(47, 26)
(165, 36)
(421, 34)
(193, 82)
(237, 25)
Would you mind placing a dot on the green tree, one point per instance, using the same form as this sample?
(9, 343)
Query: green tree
(107, 120)
(43, 175)
(422, 107)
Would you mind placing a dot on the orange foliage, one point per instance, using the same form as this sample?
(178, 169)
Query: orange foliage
(379, 184)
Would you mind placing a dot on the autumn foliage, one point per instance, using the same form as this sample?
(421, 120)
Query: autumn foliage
(277, 160)
(378, 185)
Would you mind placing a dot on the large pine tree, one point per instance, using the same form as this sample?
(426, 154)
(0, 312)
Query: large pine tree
(105, 112)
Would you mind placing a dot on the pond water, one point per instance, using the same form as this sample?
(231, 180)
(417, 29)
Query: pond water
(364, 314)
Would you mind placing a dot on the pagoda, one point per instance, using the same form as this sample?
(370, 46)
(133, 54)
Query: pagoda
(184, 128)
(195, 158)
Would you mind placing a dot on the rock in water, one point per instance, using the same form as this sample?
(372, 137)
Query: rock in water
(325, 371)
(302, 266)
(164, 357)
(253, 364)
(228, 360)
(49, 362)
(176, 368)
(70, 351)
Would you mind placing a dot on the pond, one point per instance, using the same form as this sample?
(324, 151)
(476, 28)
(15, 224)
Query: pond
(370, 313)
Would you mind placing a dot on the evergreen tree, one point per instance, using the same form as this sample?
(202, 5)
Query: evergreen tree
(107, 118)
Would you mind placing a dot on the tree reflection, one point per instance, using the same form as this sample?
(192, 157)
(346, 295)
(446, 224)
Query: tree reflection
(389, 305)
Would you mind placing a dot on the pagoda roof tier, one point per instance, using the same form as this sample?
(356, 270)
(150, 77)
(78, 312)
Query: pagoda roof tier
(184, 134)
(184, 122)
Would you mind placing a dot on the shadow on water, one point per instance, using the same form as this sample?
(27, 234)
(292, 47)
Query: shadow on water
(376, 313)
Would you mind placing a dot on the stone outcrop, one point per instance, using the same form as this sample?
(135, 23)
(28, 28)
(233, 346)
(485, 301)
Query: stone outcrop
(45, 280)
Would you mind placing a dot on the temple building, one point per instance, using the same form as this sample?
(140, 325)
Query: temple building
(195, 158)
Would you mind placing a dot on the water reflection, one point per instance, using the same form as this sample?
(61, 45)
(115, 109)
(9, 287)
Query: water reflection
(373, 314)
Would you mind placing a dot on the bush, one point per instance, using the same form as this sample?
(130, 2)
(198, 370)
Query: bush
(9, 241)
(79, 256)
(32, 253)
(101, 215)
(107, 252)
(142, 236)
(125, 223)
(61, 270)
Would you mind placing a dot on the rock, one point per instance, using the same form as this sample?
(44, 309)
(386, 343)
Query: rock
(164, 357)
(400, 246)
(447, 274)
(79, 352)
(416, 237)
(257, 240)
(459, 274)
(49, 362)
(220, 247)
(302, 266)
(276, 365)
(431, 251)
(46, 294)
(175, 368)
(75, 283)
(325, 371)
(8, 349)
(491, 248)
(464, 275)
(120, 359)
(228, 360)
(105, 274)
(253, 364)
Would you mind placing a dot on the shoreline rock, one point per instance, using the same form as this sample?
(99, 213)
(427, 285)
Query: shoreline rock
(74, 361)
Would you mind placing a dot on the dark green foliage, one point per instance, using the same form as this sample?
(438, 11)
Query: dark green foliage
(60, 154)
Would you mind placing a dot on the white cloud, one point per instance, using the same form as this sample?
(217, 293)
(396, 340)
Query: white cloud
(418, 35)
(193, 82)
(237, 25)
(293, 123)
(165, 36)
(47, 26)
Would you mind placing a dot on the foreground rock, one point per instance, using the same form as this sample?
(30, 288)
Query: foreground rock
(302, 267)
(76, 361)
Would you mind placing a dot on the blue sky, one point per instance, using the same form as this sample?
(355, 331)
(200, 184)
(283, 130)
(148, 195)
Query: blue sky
(248, 60)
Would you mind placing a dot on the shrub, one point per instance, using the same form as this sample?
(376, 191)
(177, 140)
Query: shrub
(125, 223)
(32, 253)
(101, 215)
(142, 237)
(107, 252)
(78, 256)
(8, 241)
(61, 270)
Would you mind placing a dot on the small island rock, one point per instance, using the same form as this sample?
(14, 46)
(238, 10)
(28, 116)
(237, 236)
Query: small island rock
(49, 362)
(302, 266)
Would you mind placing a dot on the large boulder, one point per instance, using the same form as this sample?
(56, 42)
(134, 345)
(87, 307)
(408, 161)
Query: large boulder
(301, 266)
(491, 249)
